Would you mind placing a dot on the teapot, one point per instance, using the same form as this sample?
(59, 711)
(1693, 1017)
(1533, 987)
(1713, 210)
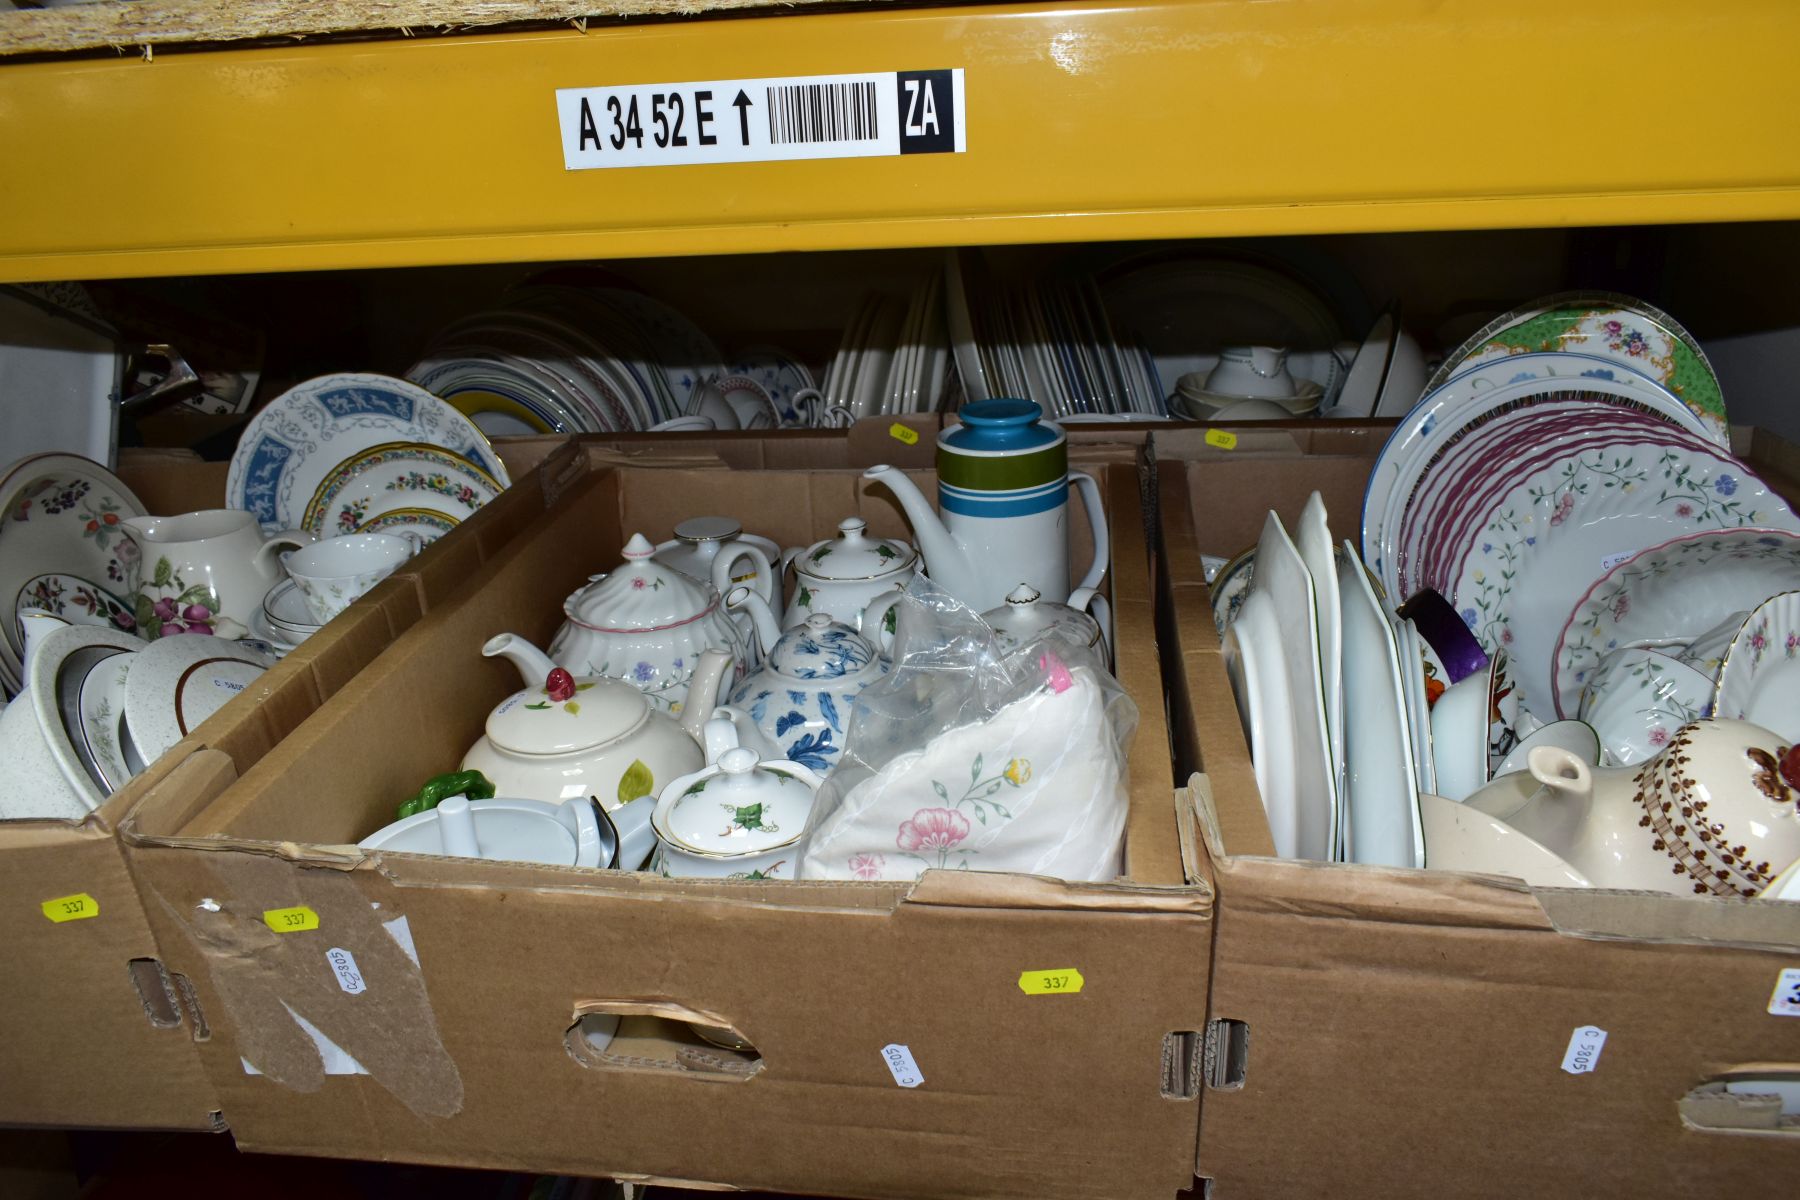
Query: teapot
(700, 541)
(801, 698)
(1026, 614)
(205, 572)
(568, 737)
(740, 818)
(847, 576)
(649, 624)
(1003, 490)
(1716, 813)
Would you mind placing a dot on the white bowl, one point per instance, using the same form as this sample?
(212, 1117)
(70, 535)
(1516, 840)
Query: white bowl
(1638, 698)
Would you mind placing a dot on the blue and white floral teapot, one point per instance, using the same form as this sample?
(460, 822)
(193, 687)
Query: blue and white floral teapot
(800, 700)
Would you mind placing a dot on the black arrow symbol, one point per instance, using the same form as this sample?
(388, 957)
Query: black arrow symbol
(742, 104)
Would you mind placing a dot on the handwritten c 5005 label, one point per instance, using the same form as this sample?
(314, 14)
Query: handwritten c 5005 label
(874, 115)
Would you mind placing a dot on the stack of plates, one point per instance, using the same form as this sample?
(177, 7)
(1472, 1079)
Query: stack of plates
(895, 354)
(348, 454)
(63, 550)
(559, 359)
(1052, 342)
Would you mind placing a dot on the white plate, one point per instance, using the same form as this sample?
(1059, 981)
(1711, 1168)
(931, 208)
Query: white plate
(962, 330)
(836, 384)
(178, 682)
(1463, 405)
(102, 719)
(868, 388)
(292, 445)
(1675, 591)
(1362, 388)
(1759, 680)
(1403, 383)
(1312, 537)
(1281, 575)
(59, 379)
(1544, 541)
(1253, 661)
(57, 673)
(1418, 702)
(1381, 790)
(401, 475)
(688, 357)
(60, 517)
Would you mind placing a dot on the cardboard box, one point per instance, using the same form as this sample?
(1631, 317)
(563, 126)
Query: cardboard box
(473, 1049)
(1408, 1030)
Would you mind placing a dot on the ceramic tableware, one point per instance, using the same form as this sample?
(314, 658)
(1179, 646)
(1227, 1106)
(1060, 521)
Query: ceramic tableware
(1416, 688)
(1312, 537)
(1759, 678)
(45, 776)
(178, 682)
(567, 737)
(1717, 813)
(395, 477)
(1678, 590)
(1404, 382)
(740, 818)
(1250, 373)
(205, 572)
(333, 574)
(1228, 588)
(1459, 837)
(101, 732)
(1254, 663)
(699, 541)
(299, 438)
(845, 575)
(780, 375)
(502, 830)
(1621, 328)
(648, 624)
(801, 697)
(1083, 621)
(1281, 575)
(1459, 736)
(1003, 488)
(1637, 698)
(63, 547)
(1362, 386)
(1576, 737)
(1706, 653)
(1380, 790)
(1446, 633)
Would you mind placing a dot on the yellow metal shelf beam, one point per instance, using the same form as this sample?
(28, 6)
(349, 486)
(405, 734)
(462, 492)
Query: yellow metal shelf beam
(1086, 121)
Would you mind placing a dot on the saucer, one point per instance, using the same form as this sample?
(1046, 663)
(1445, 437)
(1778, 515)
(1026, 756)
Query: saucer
(285, 610)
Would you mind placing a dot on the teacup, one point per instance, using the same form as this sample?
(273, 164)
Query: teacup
(1638, 698)
(1252, 372)
(748, 400)
(709, 400)
(334, 573)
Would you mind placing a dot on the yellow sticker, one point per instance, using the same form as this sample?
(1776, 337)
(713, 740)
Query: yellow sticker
(1058, 981)
(290, 920)
(1221, 439)
(78, 907)
(901, 433)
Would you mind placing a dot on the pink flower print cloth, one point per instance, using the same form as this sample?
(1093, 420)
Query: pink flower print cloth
(1038, 788)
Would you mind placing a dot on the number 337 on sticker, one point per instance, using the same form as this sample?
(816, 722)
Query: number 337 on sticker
(762, 120)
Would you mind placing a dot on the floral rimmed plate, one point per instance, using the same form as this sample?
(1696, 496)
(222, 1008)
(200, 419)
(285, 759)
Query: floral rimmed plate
(102, 723)
(400, 475)
(301, 437)
(1535, 550)
(61, 518)
(1677, 590)
(1759, 680)
(1610, 325)
(428, 524)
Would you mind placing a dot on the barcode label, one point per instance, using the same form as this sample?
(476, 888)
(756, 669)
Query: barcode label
(763, 120)
(822, 112)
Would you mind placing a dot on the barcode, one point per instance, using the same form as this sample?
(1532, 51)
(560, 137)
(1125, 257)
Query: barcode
(822, 112)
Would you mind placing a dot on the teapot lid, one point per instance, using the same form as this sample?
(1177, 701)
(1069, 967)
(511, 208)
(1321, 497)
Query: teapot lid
(738, 806)
(567, 714)
(853, 554)
(1026, 614)
(503, 830)
(640, 594)
(696, 530)
(820, 648)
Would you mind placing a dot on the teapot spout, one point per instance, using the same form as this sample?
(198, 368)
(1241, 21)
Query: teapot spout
(705, 690)
(534, 665)
(945, 560)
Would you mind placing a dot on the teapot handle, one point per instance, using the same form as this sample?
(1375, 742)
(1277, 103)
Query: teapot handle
(1098, 607)
(762, 571)
(287, 539)
(1096, 514)
(875, 619)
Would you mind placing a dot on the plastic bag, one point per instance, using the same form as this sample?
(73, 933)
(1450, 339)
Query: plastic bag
(966, 756)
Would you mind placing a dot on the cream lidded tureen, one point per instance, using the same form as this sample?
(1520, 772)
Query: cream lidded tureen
(648, 624)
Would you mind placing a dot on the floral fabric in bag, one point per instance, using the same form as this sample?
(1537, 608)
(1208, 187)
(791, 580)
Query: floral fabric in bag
(994, 761)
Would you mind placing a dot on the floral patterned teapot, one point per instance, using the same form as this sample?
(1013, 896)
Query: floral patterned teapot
(647, 623)
(801, 698)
